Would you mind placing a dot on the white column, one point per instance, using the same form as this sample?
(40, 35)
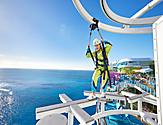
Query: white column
(125, 102)
(70, 118)
(102, 106)
(131, 106)
(148, 7)
(158, 58)
(140, 105)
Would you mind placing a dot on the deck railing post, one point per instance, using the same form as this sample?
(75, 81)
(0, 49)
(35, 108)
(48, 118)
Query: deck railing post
(102, 106)
(125, 103)
(70, 118)
(140, 105)
(131, 106)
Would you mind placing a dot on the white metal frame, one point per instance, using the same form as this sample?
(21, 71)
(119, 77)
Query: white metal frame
(106, 27)
(134, 20)
(158, 44)
(74, 108)
(62, 108)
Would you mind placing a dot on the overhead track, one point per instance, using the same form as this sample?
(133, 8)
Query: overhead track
(107, 27)
(134, 20)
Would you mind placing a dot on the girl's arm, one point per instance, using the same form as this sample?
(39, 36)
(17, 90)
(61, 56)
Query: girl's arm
(88, 53)
(107, 47)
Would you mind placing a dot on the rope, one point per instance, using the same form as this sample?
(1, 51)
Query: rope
(104, 55)
(90, 35)
(92, 28)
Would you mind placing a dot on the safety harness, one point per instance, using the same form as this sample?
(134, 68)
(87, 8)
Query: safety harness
(95, 60)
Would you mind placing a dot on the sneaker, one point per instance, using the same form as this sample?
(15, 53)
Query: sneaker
(102, 94)
(91, 96)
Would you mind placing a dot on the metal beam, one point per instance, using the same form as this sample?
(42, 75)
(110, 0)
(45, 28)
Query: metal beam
(62, 108)
(157, 41)
(145, 9)
(64, 98)
(83, 117)
(109, 28)
(126, 111)
(130, 21)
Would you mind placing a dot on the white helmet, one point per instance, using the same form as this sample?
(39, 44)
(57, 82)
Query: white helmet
(96, 41)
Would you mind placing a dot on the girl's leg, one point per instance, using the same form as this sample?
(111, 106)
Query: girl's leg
(95, 77)
(104, 82)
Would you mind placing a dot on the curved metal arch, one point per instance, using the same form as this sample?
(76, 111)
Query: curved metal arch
(120, 112)
(145, 115)
(109, 28)
(128, 21)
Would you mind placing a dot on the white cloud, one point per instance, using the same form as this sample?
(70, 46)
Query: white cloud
(2, 55)
(27, 62)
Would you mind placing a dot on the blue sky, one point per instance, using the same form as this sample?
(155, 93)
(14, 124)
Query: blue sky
(52, 34)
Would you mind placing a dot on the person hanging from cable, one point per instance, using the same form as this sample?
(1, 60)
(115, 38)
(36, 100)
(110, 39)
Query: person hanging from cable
(100, 59)
(100, 72)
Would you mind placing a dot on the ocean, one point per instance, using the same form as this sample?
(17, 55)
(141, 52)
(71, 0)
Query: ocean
(23, 90)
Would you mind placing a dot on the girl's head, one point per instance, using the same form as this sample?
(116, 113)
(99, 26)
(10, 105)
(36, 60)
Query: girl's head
(97, 45)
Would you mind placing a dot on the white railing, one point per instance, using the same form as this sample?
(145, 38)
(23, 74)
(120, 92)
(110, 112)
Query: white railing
(74, 108)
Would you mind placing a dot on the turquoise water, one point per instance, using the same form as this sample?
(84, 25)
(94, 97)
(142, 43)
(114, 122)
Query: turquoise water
(21, 91)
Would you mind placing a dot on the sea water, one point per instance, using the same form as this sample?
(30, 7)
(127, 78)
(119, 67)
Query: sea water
(23, 90)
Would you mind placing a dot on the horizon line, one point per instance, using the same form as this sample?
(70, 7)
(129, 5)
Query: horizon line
(44, 68)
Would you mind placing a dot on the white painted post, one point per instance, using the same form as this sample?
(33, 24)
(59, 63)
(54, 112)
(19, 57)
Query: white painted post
(158, 44)
(70, 118)
(102, 106)
(125, 103)
(64, 98)
(102, 110)
(140, 105)
(131, 106)
(83, 117)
